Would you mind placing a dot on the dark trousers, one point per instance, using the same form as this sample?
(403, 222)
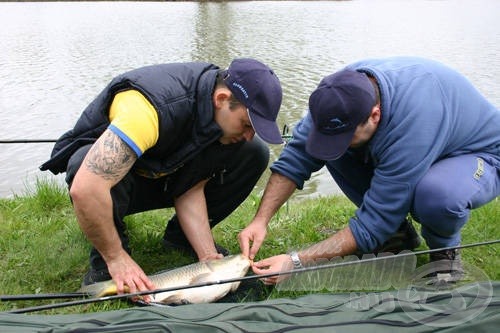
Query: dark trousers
(233, 171)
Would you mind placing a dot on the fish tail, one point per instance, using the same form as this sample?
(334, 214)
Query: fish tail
(100, 289)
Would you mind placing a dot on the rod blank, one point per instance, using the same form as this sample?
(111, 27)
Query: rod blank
(27, 297)
(28, 141)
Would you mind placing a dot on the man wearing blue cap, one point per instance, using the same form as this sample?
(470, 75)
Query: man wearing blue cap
(171, 135)
(399, 136)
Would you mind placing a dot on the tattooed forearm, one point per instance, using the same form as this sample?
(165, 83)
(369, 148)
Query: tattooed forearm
(110, 157)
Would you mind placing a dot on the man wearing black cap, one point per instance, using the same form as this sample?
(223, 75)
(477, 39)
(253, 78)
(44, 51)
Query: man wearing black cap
(399, 136)
(170, 135)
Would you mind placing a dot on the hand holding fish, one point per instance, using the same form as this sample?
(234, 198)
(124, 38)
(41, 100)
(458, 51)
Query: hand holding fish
(278, 189)
(128, 276)
(254, 233)
(275, 264)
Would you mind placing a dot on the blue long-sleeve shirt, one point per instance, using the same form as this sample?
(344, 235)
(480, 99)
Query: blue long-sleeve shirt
(429, 112)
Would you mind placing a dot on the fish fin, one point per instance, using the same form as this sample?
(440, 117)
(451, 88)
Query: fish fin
(100, 289)
(174, 299)
(202, 278)
(234, 286)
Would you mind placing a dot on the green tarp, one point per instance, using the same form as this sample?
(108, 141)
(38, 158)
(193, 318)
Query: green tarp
(473, 307)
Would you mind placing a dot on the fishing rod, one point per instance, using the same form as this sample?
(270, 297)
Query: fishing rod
(285, 135)
(240, 279)
(30, 297)
(28, 141)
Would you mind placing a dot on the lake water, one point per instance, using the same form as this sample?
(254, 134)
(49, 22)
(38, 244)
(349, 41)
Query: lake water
(56, 56)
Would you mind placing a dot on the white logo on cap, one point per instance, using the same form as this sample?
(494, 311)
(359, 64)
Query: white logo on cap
(240, 87)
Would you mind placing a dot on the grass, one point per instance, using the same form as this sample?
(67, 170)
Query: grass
(42, 249)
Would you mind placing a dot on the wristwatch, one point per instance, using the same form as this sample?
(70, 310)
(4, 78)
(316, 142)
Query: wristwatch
(295, 259)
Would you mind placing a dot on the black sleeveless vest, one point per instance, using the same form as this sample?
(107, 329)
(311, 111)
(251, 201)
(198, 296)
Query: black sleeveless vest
(182, 96)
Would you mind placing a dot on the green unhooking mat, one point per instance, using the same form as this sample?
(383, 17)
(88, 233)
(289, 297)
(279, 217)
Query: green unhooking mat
(473, 307)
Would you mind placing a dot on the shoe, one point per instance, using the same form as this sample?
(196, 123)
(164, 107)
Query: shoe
(186, 247)
(94, 276)
(406, 238)
(446, 266)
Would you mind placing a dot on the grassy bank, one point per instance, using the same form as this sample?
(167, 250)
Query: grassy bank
(43, 251)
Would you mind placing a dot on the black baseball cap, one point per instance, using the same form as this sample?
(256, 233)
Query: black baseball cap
(340, 103)
(256, 86)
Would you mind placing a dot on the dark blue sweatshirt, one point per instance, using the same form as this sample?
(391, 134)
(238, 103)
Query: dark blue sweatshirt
(429, 112)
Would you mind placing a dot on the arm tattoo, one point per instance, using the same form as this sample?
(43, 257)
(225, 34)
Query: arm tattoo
(110, 157)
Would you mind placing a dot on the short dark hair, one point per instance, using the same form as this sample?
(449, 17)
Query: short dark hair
(220, 83)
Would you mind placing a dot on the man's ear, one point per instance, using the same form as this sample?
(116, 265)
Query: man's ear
(376, 114)
(220, 96)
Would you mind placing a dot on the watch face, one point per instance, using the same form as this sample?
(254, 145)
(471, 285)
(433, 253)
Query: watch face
(295, 260)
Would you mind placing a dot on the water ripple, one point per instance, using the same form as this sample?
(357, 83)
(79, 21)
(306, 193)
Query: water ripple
(56, 56)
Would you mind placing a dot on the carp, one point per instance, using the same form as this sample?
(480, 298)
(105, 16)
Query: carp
(204, 272)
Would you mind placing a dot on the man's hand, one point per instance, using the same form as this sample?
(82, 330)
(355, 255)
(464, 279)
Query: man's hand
(338, 245)
(252, 237)
(128, 276)
(278, 189)
(276, 264)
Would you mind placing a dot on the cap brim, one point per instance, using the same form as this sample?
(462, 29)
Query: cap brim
(267, 130)
(328, 147)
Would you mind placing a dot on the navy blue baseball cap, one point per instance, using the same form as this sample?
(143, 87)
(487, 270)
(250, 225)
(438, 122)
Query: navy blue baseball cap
(340, 103)
(258, 88)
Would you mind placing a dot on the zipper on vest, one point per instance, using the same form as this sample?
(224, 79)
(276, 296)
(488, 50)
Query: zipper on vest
(221, 176)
